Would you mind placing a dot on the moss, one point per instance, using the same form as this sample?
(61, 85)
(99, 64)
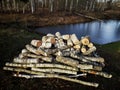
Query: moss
(112, 47)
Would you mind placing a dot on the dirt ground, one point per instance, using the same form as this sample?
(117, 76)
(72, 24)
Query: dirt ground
(12, 40)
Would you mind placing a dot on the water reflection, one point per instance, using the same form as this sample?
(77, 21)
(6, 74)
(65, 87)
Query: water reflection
(100, 32)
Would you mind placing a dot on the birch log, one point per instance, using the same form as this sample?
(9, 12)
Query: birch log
(27, 60)
(77, 47)
(36, 43)
(44, 38)
(44, 65)
(24, 51)
(85, 41)
(72, 62)
(38, 76)
(61, 43)
(53, 76)
(82, 59)
(103, 74)
(47, 45)
(69, 42)
(85, 66)
(90, 45)
(65, 37)
(94, 59)
(89, 51)
(44, 58)
(21, 56)
(51, 40)
(50, 35)
(60, 77)
(58, 34)
(67, 61)
(54, 70)
(35, 51)
(74, 39)
(83, 49)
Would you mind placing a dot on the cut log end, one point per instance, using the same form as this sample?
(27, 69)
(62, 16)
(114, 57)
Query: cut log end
(85, 41)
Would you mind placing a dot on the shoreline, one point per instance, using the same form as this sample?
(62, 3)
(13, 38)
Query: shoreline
(59, 18)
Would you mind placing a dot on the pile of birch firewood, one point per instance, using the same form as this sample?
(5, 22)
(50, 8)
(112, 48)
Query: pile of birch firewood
(59, 56)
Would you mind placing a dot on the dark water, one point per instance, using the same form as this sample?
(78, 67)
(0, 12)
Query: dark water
(99, 32)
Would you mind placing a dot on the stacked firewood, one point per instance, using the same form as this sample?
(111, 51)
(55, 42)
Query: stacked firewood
(59, 56)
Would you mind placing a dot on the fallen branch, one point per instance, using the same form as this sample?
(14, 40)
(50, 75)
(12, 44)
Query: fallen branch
(103, 74)
(53, 76)
(54, 70)
(90, 17)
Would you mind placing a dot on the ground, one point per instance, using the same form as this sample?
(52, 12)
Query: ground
(12, 40)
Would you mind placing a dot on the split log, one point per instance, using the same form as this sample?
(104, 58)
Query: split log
(44, 65)
(85, 40)
(27, 60)
(90, 50)
(65, 37)
(47, 45)
(36, 43)
(61, 43)
(90, 45)
(35, 51)
(44, 38)
(83, 49)
(74, 39)
(54, 70)
(53, 76)
(69, 42)
(51, 40)
(103, 74)
(58, 34)
(77, 47)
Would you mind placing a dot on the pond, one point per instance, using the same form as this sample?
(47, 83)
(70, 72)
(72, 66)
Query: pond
(99, 32)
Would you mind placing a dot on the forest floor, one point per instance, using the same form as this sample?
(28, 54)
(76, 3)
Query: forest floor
(56, 18)
(12, 40)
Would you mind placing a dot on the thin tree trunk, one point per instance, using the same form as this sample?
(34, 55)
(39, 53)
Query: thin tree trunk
(71, 5)
(66, 4)
(32, 6)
